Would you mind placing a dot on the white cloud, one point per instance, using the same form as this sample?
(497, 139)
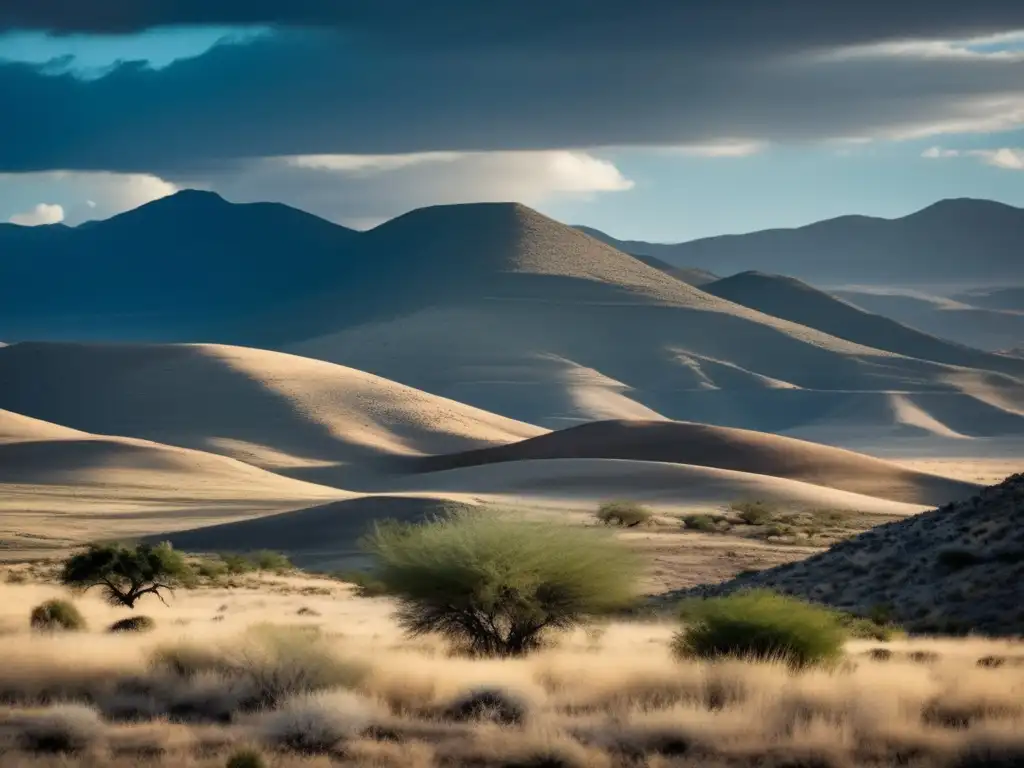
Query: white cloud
(1011, 159)
(723, 148)
(937, 153)
(369, 164)
(44, 213)
(83, 195)
(361, 190)
(1003, 47)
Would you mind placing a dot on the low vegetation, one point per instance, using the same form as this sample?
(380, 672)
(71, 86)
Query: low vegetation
(133, 624)
(627, 514)
(705, 523)
(126, 574)
(754, 512)
(495, 586)
(770, 522)
(246, 758)
(760, 625)
(354, 691)
(57, 616)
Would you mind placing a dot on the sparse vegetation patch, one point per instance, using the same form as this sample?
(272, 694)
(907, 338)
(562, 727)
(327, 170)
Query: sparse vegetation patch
(627, 514)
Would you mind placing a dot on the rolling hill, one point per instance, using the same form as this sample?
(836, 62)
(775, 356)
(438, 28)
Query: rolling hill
(947, 318)
(953, 568)
(953, 241)
(794, 300)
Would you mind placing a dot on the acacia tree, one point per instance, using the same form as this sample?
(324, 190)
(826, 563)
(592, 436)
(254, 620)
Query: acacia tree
(124, 573)
(494, 585)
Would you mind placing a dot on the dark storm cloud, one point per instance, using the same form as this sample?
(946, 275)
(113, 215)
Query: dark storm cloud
(386, 76)
(445, 21)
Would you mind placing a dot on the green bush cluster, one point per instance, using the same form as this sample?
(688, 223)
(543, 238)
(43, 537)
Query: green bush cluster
(762, 625)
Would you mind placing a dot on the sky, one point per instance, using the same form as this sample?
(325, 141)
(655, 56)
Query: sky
(655, 120)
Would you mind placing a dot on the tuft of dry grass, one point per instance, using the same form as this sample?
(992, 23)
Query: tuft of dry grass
(317, 723)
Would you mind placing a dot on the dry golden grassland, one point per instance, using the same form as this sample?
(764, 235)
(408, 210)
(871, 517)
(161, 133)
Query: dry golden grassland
(303, 673)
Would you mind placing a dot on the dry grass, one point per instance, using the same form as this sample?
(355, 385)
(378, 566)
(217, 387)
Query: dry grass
(345, 688)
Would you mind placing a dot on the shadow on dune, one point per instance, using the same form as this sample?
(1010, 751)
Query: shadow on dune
(324, 537)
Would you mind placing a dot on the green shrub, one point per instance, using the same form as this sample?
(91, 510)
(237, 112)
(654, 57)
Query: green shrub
(210, 569)
(493, 585)
(246, 758)
(237, 564)
(267, 560)
(260, 560)
(56, 616)
(125, 574)
(623, 513)
(754, 512)
(760, 624)
(704, 523)
(866, 629)
(133, 624)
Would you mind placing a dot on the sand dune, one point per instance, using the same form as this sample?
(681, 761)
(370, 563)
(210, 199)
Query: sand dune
(304, 418)
(61, 486)
(722, 448)
(586, 483)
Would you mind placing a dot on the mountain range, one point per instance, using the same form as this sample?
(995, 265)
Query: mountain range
(950, 242)
(501, 308)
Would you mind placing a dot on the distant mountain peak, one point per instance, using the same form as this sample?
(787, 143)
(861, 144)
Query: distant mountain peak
(192, 197)
(957, 204)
